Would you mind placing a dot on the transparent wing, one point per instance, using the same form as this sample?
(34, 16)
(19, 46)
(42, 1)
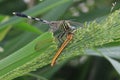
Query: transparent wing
(76, 24)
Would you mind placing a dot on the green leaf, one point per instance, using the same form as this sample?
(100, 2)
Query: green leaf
(113, 52)
(27, 58)
(4, 31)
(27, 27)
(114, 63)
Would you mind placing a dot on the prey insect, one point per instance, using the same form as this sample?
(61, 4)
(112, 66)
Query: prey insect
(63, 26)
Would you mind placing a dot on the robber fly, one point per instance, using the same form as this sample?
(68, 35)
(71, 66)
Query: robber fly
(63, 25)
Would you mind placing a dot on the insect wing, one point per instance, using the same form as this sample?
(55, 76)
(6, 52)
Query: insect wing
(75, 24)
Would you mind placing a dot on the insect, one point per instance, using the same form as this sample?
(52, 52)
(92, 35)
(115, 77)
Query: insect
(64, 26)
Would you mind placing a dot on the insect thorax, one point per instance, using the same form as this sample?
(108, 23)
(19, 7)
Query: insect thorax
(63, 26)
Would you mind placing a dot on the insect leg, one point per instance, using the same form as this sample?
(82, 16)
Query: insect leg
(60, 37)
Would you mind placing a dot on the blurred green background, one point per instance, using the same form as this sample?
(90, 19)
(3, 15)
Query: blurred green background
(18, 31)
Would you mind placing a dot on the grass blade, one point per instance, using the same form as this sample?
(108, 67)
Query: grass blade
(27, 58)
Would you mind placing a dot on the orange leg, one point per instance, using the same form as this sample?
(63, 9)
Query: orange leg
(67, 40)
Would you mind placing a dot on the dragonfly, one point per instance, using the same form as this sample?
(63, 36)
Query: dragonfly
(64, 26)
